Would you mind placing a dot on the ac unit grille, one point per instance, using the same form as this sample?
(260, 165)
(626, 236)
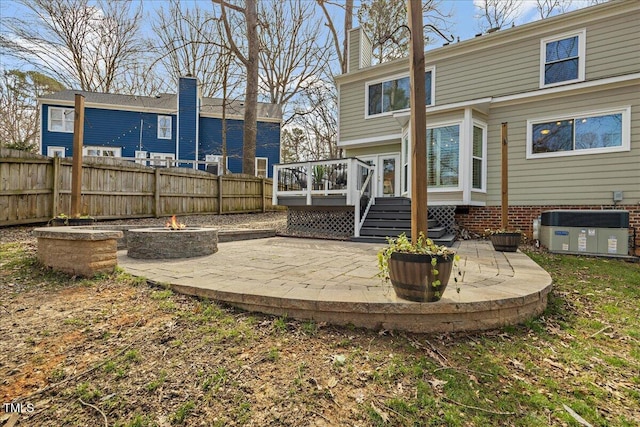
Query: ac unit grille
(593, 219)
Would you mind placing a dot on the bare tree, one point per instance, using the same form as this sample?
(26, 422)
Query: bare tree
(348, 24)
(18, 111)
(250, 59)
(547, 8)
(190, 43)
(81, 45)
(292, 55)
(385, 22)
(496, 14)
(316, 116)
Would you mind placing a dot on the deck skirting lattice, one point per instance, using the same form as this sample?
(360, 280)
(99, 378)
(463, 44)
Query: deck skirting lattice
(446, 217)
(336, 223)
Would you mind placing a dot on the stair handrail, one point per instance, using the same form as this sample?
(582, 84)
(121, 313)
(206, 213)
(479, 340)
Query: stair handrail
(358, 221)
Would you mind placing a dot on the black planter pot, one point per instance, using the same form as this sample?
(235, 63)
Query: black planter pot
(413, 275)
(60, 222)
(506, 242)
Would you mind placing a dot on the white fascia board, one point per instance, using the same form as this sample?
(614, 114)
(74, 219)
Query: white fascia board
(377, 140)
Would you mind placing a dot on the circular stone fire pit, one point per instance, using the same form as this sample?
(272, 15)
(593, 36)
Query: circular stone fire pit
(161, 243)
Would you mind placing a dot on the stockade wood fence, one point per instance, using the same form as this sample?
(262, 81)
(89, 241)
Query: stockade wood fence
(36, 188)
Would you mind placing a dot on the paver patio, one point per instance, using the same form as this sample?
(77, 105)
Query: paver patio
(336, 282)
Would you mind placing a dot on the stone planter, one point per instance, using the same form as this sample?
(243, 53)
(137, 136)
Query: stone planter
(77, 251)
(412, 276)
(506, 242)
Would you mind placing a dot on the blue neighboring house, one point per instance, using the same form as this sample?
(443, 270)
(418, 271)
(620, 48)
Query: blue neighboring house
(154, 130)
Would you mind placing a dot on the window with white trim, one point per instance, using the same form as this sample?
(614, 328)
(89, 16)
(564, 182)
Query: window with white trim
(583, 133)
(393, 95)
(443, 156)
(478, 155)
(164, 127)
(214, 163)
(161, 160)
(562, 59)
(61, 119)
(55, 151)
(89, 150)
(405, 163)
(261, 166)
(141, 154)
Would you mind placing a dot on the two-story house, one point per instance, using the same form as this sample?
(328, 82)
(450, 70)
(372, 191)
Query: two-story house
(568, 88)
(161, 130)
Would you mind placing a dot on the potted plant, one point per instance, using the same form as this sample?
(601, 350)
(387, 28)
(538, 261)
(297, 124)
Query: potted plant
(418, 271)
(504, 240)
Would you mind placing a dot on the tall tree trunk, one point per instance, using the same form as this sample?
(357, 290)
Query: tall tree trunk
(348, 24)
(251, 97)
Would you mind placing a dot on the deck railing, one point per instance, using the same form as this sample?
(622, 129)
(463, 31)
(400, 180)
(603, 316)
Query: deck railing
(351, 178)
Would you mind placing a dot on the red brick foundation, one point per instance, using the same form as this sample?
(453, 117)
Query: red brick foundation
(480, 218)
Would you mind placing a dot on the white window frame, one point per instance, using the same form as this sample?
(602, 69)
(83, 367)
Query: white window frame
(396, 77)
(141, 154)
(625, 133)
(484, 127)
(217, 158)
(266, 169)
(67, 115)
(582, 55)
(461, 138)
(117, 151)
(405, 163)
(53, 151)
(159, 159)
(166, 119)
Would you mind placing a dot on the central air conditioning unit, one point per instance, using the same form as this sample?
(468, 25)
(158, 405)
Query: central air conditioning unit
(604, 232)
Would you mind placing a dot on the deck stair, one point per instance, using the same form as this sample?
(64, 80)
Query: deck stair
(391, 216)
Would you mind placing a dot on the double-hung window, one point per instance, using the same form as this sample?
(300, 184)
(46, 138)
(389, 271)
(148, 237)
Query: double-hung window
(478, 157)
(61, 119)
(562, 59)
(443, 156)
(164, 127)
(393, 95)
(583, 133)
(261, 166)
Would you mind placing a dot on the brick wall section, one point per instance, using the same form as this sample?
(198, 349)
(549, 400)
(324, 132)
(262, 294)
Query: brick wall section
(480, 218)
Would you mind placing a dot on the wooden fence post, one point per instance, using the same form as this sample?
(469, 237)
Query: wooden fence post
(156, 193)
(220, 194)
(55, 188)
(264, 194)
(76, 173)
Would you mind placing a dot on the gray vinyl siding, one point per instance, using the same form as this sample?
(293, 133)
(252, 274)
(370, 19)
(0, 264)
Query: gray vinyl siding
(378, 149)
(579, 179)
(515, 67)
(354, 51)
(614, 41)
(509, 64)
(353, 124)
